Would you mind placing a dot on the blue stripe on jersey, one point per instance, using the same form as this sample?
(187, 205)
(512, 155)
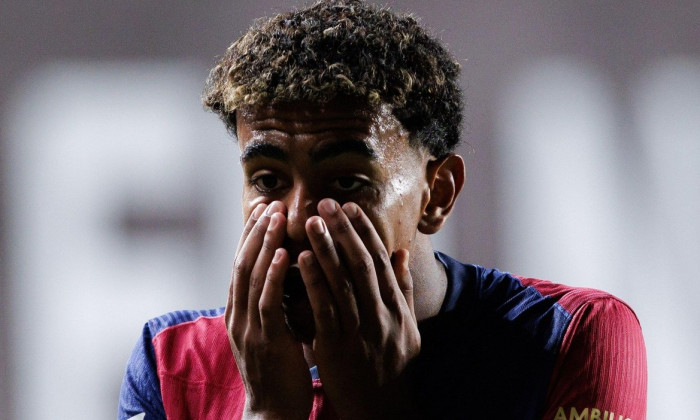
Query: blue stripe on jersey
(178, 317)
(508, 298)
(491, 350)
(140, 392)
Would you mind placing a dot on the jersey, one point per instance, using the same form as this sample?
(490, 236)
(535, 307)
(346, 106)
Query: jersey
(501, 347)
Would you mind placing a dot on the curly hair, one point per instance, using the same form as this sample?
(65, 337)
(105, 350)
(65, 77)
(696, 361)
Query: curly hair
(344, 48)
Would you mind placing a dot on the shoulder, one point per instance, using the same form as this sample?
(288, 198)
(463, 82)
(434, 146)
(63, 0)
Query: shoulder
(493, 288)
(176, 350)
(573, 299)
(601, 364)
(534, 304)
(182, 320)
(190, 344)
(586, 345)
(596, 316)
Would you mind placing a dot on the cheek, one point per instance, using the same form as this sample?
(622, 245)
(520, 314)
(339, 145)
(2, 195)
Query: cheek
(249, 200)
(399, 214)
(406, 181)
(247, 204)
(404, 195)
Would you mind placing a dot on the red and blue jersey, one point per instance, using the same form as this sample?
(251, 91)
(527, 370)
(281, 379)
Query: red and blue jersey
(502, 347)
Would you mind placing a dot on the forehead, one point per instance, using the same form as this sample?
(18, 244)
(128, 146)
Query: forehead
(308, 125)
(302, 118)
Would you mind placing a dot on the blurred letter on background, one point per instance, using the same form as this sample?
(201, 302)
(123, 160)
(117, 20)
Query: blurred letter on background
(123, 206)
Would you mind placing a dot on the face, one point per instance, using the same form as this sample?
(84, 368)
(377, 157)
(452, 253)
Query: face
(301, 154)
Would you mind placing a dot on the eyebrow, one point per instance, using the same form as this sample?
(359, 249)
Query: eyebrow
(333, 149)
(262, 149)
(325, 151)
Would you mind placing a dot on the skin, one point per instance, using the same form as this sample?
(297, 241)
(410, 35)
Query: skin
(338, 192)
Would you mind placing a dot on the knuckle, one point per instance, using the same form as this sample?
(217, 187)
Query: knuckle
(267, 246)
(255, 281)
(240, 267)
(315, 282)
(265, 310)
(345, 288)
(363, 229)
(327, 312)
(326, 247)
(237, 332)
(259, 228)
(343, 226)
(249, 227)
(325, 316)
(249, 337)
(380, 259)
(375, 333)
(363, 265)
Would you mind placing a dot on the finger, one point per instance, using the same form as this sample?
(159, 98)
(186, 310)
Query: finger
(399, 262)
(245, 262)
(272, 240)
(322, 303)
(270, 304)
(262, 210)
(236, 280)
(354, 256)
(386, 282)
(333, 273)
(254, 216)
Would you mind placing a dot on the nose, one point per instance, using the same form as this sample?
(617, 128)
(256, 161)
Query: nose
(300, 206)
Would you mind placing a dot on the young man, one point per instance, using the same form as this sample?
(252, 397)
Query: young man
(347, 118)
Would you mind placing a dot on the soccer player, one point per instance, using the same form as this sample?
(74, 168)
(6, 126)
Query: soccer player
(347, 117)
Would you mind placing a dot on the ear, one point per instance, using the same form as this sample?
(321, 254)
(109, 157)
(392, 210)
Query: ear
(445, 179)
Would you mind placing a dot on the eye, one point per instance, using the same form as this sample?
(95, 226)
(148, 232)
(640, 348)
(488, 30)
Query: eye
(266, 182)
(348, 183)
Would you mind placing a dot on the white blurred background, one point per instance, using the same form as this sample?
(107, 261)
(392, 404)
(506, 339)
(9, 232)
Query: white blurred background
(120, 196)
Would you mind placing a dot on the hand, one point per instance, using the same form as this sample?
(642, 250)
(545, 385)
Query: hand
(366, 330)
(271, 363)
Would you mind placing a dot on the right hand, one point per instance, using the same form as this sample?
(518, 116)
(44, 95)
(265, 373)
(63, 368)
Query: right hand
(271, 363)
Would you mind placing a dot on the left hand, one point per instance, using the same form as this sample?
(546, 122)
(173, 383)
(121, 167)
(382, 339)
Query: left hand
(366, 329)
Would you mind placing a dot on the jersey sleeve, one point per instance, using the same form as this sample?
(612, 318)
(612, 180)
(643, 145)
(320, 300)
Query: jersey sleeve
(601, 371)
(140, 392)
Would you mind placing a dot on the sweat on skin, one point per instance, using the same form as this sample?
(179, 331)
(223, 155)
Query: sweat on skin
(340, 191)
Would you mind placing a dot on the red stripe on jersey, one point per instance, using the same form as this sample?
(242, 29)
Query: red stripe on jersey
(198, 374)
(601, 371)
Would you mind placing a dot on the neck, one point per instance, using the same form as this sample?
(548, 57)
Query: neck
(429, 279)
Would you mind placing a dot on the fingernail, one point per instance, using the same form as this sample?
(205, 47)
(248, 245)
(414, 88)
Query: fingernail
(351, 209)
(278, 255)
(270, 209)
(329, 206)
(274, 221)
(258, 211)
(306, 259)
(317, 227)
